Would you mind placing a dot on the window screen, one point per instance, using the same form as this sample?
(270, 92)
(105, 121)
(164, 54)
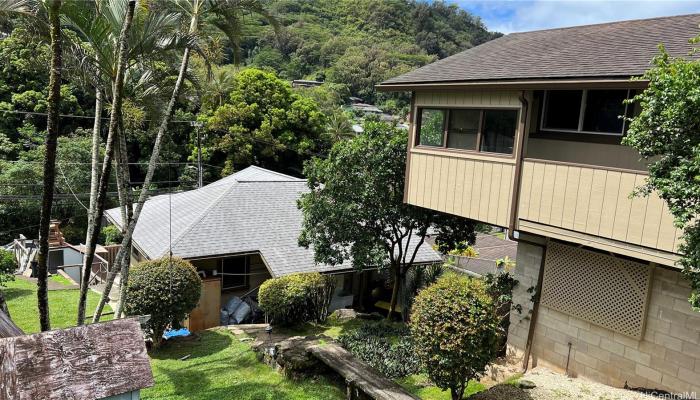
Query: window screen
(432, 127)
(562, 109)
(463, 129)
(603, 108)
(499, 131)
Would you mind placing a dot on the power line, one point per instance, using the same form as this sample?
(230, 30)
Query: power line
(79, 116)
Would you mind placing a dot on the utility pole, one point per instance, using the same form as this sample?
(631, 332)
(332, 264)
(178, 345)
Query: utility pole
(198, 125)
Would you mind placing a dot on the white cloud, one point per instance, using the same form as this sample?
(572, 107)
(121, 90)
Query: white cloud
(527, 15)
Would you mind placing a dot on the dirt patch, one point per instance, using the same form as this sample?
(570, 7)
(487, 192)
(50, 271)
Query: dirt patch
(503, 392)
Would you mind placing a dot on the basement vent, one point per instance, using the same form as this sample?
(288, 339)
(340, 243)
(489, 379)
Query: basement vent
(603, 290)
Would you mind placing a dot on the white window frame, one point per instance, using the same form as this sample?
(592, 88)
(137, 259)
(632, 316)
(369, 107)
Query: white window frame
(581, 115)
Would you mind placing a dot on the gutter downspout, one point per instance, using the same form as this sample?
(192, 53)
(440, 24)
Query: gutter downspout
(518, 167)
(512, 224)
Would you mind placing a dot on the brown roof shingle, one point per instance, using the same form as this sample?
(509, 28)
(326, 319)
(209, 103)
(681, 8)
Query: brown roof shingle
(616, 49)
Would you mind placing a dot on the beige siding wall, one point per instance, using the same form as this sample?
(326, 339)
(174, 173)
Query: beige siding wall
(666, 357)
(596, 202)
(467, 184)
(475, 189)
(608, 155)
(468, 98)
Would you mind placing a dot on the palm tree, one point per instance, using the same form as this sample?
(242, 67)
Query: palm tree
(54, 102)
(339, 127)
(53, 9)
(227, 16)
(97, 26)
(115, 116)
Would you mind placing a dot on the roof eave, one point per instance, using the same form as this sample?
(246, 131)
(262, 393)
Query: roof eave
(525, 84)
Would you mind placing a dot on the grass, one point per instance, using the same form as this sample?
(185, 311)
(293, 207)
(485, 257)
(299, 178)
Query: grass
(63, 305)
(421, 386)
(219, 366)
(60, 279)
(418, 385)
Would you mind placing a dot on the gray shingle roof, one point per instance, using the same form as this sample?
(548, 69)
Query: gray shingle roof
(254, 210)
(617, 49)
(490, 249)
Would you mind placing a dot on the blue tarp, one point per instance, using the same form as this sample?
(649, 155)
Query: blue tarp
(176, 333)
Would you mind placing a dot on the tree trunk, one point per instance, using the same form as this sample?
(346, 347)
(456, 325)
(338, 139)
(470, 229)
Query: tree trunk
(3, 304)
(126, 204)
(126, 240)
(398, 277)
(94, 182)
(93, 229)
(54, 102)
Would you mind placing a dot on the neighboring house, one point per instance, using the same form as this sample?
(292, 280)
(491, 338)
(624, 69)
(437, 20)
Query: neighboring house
(238, 232)
(490, 249)
(105, 361)
(63, 256)
(523, 132)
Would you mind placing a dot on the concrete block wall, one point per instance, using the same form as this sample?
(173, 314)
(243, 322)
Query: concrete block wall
(667, 357)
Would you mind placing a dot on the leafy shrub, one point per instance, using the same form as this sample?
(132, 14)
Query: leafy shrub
(500, 287)
(112, 235)
(8, 265)
(297, 298)
(384, 346)
(454, 326)
(165, 289)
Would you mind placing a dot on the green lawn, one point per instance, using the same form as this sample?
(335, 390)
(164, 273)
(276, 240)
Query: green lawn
(418, 385)
(219, 366)
(63, 305)
(60, 279)
(421, 386)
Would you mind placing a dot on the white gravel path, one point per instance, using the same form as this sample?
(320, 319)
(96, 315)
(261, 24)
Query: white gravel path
(554, 386)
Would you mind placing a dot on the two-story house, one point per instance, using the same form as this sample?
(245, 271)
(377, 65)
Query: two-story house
(523, 132)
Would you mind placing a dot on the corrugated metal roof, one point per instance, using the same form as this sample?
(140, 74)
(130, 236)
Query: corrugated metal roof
(616, 49)
(254, 210)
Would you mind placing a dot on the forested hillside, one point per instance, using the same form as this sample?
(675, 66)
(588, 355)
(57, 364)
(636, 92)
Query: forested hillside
(361, 42)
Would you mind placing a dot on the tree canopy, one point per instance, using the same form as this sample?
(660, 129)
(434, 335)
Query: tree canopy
(667, 133)
(355, 210)
(262, 118)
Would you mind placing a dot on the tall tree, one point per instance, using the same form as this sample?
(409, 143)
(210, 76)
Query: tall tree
(355, 210)
(54, 102)
(667, 132)
(225, 15)
(115, 115)
(94, 53)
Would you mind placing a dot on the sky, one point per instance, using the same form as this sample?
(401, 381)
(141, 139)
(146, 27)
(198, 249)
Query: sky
(526, 15)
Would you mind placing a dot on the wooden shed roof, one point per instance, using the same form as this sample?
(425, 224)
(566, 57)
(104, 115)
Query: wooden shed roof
(81, 363)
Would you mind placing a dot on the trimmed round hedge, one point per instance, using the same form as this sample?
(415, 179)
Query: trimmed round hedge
(166, 289)
(455, 328)
(296, 298)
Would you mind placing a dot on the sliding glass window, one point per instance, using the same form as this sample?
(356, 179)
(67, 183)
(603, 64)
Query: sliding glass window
(463, 129)
(432, 127)
(482, 130)
(592, 111)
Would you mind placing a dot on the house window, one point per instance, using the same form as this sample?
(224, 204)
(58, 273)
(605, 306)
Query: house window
(499, 131)
(432, 123)
(463, 129)
(483, 130)
(234, 271)
(595, 111)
